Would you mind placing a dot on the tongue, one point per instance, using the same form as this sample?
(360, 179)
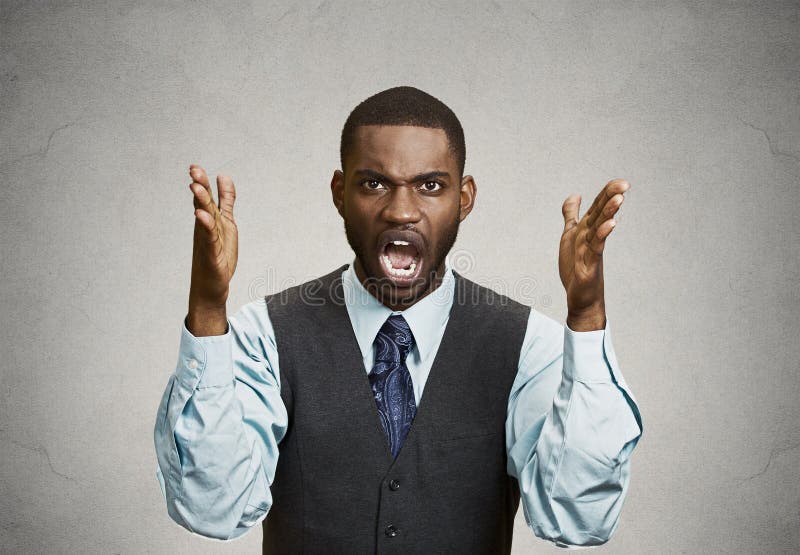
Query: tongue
(401, 256)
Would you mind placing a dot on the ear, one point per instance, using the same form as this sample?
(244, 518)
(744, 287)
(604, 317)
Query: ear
(337, 191)
(468, 192)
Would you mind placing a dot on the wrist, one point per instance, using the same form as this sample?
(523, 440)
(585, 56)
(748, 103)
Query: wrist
(206, 303)
(206, 319)
(589, 319)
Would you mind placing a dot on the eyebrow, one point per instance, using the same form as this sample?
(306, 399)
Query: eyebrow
(421, 177)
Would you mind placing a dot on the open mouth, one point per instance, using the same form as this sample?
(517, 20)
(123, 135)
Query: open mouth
(400, 257)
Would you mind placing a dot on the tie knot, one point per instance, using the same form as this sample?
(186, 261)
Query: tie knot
(394, 340)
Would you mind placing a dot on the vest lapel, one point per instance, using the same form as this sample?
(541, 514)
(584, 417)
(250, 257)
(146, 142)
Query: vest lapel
(352, 375)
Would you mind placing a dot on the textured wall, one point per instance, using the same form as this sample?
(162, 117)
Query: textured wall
(103, 107)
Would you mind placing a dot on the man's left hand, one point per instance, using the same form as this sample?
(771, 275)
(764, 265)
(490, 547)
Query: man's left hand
(580, 255)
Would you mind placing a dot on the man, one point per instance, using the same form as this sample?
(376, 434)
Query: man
(410, 408)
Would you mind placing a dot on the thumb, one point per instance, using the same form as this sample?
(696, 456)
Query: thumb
(226, 192)
(570, 210)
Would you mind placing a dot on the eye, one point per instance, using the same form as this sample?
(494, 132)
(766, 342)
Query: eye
(431, 186)
(372, 184)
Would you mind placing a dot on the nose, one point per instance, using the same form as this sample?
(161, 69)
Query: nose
(402, 206)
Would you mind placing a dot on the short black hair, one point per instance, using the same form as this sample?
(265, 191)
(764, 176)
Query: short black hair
(405, 106)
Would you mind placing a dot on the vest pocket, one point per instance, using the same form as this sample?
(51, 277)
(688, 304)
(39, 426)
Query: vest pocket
(446, 432)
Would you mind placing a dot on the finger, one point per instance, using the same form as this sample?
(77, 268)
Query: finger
(607, 211)
(569, 209)
(611, 188)
(199, 175)
(226, 192)
(202, 198)
(598, 242)
(206, 220)
(599, 198)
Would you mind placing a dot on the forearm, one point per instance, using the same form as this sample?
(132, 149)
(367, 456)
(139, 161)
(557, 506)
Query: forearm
(576, 477)
(572, 460)
(216, 476)
(217, 434)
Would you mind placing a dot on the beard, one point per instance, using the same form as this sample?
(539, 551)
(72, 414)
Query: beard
(427, 282)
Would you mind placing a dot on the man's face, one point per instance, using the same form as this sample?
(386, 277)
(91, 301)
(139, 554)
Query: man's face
(402, 200)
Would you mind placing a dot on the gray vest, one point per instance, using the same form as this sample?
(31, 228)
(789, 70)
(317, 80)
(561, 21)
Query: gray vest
(336, 487)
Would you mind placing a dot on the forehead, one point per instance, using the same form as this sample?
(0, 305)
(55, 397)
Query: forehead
(400, 151)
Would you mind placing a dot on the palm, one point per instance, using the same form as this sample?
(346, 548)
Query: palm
(578, 268)
(216, 237)
(223, 247)
(580, 256)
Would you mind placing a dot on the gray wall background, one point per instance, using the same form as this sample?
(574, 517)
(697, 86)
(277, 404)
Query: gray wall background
(104, 105)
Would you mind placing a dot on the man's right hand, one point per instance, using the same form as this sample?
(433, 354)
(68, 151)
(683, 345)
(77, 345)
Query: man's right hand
(216, 245)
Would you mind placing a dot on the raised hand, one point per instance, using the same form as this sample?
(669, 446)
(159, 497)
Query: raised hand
(580, 256)
(216, 245)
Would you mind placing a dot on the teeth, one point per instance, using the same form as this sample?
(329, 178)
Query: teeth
(400, 242)
(399, 272)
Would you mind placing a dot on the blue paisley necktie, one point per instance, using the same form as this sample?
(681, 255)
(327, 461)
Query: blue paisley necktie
(391, 382)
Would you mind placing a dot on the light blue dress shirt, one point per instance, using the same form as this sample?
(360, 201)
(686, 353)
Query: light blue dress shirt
(571, 424)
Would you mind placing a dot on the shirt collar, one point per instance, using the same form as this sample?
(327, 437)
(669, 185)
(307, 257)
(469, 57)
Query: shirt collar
(425, 317)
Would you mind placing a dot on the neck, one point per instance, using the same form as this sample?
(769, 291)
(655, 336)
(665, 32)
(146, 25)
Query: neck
(395, 298)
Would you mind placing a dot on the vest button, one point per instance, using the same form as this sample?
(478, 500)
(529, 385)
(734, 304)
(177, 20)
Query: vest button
(391, 531)
(394, 485)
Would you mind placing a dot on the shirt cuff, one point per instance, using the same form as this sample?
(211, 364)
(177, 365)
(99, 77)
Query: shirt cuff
(205, 361)
(585, 355)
